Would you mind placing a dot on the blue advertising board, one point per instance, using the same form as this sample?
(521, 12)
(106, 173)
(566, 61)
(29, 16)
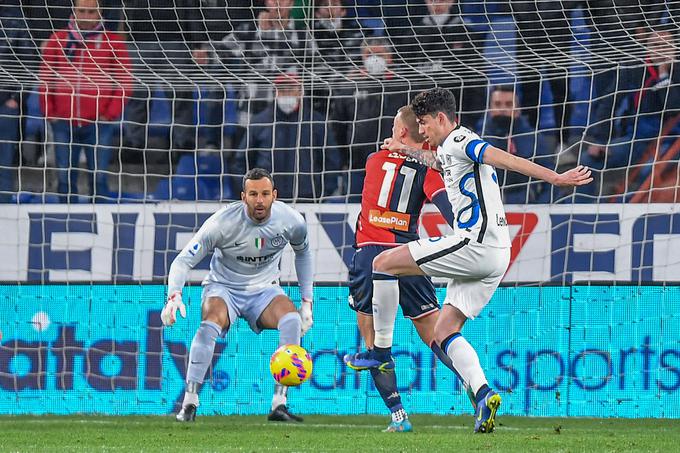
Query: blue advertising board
(600, 351)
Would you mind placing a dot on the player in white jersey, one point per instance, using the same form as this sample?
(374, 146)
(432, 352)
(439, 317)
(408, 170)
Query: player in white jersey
(247, 240)
(474, 258)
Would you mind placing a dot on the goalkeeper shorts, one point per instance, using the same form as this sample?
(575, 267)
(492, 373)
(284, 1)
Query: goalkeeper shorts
(248, 305)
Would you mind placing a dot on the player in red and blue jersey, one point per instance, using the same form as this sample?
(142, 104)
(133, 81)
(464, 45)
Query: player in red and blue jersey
(395, 189)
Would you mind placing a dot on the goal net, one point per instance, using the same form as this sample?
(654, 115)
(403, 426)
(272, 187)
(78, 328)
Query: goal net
(125, 124)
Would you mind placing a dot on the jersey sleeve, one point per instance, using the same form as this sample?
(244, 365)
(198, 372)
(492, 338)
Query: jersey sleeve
(298, 233)
(468, 145)
(304, 264)
(444, 205)
(203, 242)
(433, 184)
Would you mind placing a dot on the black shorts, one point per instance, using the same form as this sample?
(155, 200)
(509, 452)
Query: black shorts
(417, 296)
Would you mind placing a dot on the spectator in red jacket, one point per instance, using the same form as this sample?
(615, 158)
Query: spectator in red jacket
(85, 80)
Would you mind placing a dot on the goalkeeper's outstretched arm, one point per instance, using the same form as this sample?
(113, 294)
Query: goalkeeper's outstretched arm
(198, 247)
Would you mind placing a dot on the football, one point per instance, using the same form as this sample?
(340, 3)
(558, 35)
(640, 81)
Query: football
(291, 365)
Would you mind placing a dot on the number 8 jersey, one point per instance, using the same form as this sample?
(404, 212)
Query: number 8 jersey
(395, 189)
(472, 188)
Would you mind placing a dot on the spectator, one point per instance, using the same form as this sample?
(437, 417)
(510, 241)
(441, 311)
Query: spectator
(337, 37)
(632, 104)
(264, 49)
(440, 43)
(163, 43)
(544, 40)
(15, 56)
(85, 82)
(617, 28)
(506, 128)
(363, 111)
(215, 108)
(291, 140)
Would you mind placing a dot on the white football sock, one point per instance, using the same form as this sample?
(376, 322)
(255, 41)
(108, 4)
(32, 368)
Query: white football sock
(385, 301)
(466, 362)
(190, 398)
(280, 396)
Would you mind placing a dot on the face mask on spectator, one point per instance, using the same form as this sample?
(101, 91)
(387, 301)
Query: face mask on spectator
(330, 24)
(503, 122)
(440, 19)
(287, 104)
(375, 65)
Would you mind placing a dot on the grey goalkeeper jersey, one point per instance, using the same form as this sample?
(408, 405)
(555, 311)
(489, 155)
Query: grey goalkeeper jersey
(246, 254)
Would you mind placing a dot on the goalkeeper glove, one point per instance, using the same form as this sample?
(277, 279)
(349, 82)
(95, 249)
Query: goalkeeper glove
(169, 313)
(305, 312)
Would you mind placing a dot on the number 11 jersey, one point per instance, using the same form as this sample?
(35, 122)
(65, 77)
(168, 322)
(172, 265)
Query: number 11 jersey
(395, 189)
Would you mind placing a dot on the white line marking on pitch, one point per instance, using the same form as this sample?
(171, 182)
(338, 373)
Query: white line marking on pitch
(343, 425)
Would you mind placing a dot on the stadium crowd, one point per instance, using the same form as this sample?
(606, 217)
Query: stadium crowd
(195, 95)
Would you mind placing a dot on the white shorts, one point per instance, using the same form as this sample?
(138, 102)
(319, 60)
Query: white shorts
(248, 305)
(475, 270)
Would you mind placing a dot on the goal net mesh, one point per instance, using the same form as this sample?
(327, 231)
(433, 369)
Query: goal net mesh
(124, 125)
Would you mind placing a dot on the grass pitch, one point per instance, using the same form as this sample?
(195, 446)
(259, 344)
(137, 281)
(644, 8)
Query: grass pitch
(333, 434)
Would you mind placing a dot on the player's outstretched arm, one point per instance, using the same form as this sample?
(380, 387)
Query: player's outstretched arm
(192, 254)
(424, 156)
(498, 158)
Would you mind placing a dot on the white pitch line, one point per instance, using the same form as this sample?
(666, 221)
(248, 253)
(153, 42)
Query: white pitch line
(348, 425)
(297, 425)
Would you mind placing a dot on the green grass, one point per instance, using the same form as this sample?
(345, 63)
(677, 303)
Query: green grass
(432, 434)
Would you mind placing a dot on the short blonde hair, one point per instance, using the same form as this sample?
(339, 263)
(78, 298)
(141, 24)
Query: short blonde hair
(411, 122)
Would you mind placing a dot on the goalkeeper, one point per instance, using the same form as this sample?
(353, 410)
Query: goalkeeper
(247, 240)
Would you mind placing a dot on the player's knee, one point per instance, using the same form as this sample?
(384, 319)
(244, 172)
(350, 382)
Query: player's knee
(215, 310)
(381, 262)
(442, 333)
(221, 320)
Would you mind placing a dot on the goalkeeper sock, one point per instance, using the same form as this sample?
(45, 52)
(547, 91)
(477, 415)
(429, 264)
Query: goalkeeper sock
(465, 361)
(289, 333)
(289, 327)
(385, 301)
(191, 394)
(386, 384)
(202, 348)
(280, 396)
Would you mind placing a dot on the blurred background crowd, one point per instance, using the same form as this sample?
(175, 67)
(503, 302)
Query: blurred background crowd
(133, 100)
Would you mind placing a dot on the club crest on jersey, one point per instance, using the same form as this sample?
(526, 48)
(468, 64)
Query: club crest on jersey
(389, 219)
(277, 241)
(259, 243)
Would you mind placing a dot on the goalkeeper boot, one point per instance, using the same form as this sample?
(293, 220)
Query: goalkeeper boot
(187, 414)
(403, 426)
(282, 414)
(367, 360)
(485, 414)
